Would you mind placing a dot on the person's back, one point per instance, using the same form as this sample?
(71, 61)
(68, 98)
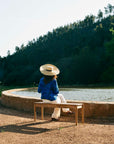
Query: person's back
(48, 90)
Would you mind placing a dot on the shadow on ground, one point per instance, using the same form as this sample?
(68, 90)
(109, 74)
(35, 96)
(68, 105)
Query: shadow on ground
(29, 128)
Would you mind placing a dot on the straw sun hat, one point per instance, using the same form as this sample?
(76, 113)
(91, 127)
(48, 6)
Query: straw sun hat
(49, 70)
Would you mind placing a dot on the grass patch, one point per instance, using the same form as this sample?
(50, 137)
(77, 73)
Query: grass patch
(2, 131)
(2, 88)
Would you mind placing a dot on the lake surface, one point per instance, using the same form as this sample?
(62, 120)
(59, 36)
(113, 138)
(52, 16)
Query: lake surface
(81, 94)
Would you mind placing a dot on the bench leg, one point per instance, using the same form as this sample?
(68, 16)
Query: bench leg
(83, 113)
(76, 115)
(34, 112)
(42, 112)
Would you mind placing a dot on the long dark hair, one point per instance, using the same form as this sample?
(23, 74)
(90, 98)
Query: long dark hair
(47, 79)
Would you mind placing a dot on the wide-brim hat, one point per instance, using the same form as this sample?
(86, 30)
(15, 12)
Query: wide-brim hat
(49, 70)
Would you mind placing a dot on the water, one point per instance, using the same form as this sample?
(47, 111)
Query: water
(105, 95)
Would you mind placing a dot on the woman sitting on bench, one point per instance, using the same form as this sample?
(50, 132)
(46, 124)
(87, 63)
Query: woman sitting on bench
(49, 90)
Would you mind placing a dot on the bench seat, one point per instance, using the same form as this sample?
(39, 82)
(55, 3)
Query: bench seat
(74, 106)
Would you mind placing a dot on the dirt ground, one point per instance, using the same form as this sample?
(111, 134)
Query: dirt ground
(19, 128)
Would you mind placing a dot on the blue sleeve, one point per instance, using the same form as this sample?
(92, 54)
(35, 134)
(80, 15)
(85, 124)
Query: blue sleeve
(40, 87)
(55, 87)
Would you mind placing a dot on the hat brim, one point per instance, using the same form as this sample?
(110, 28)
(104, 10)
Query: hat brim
(55, 70)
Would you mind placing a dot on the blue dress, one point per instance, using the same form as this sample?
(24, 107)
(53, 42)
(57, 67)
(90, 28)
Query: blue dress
(48, 91)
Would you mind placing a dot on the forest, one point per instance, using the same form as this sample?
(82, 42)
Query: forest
(83, 51)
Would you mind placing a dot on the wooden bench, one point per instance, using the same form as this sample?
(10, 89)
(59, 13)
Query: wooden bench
(74, 106)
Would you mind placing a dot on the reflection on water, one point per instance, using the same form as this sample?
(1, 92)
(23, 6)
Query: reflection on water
(77, 94)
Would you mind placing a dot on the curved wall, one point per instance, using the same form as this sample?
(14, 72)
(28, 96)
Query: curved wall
(92, 109)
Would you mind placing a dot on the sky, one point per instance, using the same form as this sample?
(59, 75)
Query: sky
(24, 20)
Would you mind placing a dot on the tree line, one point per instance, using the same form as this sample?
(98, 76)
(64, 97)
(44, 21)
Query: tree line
(83, 51)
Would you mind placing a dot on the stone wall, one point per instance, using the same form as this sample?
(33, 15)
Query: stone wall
(92, 109)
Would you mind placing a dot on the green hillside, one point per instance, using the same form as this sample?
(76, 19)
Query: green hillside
(83, 51)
